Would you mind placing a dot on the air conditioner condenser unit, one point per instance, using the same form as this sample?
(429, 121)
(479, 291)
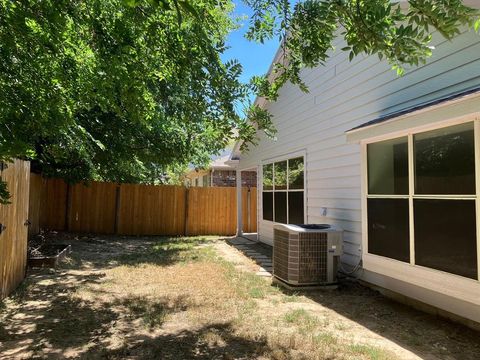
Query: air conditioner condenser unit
(306, 255)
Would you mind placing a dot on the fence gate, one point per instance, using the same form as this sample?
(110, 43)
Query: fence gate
(14, 229)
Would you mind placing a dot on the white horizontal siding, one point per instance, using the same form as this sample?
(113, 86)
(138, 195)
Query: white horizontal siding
(343, 95)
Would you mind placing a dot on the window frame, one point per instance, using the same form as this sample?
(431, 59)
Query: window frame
(387, 265)
(272, 161)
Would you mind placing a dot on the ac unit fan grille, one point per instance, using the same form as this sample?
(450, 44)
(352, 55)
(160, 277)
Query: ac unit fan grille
(313, 257)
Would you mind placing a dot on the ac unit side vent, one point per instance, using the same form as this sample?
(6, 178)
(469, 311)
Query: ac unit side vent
(280, 254)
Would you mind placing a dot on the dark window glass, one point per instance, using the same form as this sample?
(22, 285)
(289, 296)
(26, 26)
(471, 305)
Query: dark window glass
(281, 207)
(445, 235)
(388, 167)
(267, 205)
(295, 207)
(295, 173)
(280, 169)
(445, 161)
(268, 177)
(388, 232)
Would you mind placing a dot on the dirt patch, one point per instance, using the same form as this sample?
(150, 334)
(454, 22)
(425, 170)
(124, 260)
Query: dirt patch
(198, 298)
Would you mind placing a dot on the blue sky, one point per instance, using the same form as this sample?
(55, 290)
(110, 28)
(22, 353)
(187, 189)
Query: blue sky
(255, 58)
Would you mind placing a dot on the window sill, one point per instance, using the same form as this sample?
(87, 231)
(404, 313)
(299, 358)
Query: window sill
(449, 284)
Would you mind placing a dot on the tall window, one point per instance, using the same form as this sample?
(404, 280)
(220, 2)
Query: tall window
(440, 199)
(387, 203)
(283, 191)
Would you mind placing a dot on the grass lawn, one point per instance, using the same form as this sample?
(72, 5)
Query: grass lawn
(198, 298)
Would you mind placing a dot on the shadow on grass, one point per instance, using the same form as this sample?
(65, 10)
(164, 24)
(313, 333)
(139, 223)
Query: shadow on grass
(419, 332)
(47, 319)
(48, 323)
(45, 316)
(106, 251)
(214, 341)
(412, 329)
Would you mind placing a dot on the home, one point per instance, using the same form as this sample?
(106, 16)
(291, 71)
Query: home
(393, 160)
(219, 174)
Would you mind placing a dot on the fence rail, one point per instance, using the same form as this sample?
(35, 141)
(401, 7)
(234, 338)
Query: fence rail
(136, 209)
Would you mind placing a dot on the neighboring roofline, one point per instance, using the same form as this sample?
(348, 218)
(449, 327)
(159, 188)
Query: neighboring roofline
(397, 115)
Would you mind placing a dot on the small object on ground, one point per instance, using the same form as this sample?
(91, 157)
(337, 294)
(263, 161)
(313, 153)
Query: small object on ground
(48, 255)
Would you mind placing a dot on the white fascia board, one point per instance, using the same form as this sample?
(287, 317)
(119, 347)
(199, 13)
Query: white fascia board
(231, 163)
(446, 111)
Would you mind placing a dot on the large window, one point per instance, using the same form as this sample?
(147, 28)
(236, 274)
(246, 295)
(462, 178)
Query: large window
(421, 199)
(283, 191)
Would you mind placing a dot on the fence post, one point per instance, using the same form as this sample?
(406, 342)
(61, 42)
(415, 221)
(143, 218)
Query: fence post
(187, 195)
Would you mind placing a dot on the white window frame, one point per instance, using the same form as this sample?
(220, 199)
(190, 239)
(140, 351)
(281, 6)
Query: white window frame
(285, 157)
(436, 280)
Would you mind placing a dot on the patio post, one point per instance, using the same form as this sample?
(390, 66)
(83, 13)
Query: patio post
(239, 203)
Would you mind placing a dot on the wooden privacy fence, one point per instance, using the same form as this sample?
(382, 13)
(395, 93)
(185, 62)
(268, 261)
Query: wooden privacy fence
(135, 209)
(13, 225)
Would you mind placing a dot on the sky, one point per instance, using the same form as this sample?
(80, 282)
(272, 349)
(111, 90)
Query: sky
(255, 58)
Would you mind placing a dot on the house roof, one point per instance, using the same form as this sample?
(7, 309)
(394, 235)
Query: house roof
(221, 163)
(413, 109)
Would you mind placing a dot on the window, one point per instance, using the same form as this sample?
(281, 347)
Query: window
(441, 200)
(283, 191)
(387, 204)
(445, 226)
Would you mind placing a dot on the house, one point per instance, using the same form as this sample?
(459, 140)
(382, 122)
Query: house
(219, 174)
(394, 161)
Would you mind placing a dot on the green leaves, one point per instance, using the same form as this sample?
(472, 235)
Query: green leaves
(116, 89)
(401, 36)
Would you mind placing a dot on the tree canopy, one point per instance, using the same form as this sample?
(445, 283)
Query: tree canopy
(126, 90)
(399, 32)
(116, 90)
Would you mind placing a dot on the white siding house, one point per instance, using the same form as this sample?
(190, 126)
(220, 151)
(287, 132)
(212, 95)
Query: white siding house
(318, 126)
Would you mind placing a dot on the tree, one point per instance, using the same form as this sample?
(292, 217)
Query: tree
(400, 35)
(116, 90)
(128, 90)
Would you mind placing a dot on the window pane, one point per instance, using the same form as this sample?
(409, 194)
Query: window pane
(295, 207)
(281, 207)
(388, 167)
(268, 177)
(445, 161)
(280, 169)
(445, 236)
(267, 205)
(295, 173)
(388, 233)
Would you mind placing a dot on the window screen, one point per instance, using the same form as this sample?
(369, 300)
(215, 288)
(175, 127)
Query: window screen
(268, 177)
(267, 205)
(445, 235)
(295, 207)
(445, 161)
(295, 173)
(388, 228)
(280, 169)
(280, 214)
(388, 167)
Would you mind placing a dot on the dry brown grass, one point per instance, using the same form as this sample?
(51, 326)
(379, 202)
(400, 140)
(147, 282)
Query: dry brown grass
(176, 298)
